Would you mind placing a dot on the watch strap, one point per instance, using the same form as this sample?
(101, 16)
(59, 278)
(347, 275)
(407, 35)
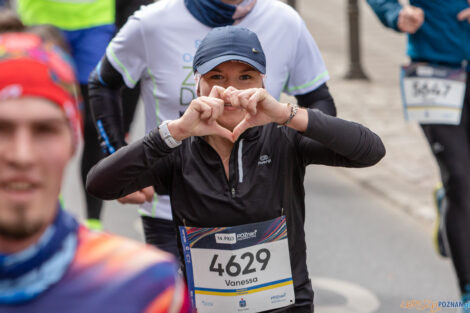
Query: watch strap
(166, 135)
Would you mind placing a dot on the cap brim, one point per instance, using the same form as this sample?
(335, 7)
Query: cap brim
(209, 65)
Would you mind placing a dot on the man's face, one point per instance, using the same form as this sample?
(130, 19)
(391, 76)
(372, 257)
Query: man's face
(236, 74)
(35, 146)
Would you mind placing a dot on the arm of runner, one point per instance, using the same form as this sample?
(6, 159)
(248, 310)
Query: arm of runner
(104, 86)
(387, 11)
(324, 139)
(132, 168)
(410, 19)
(124, 63)
(138, 197)
(136, 166)
(333, 141)
(319, 98)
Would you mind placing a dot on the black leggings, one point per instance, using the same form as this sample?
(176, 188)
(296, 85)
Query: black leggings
(451, 148)
(92, 152)
(161, 234)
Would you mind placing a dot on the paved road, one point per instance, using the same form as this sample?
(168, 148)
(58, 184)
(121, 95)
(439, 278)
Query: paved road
(364, 255)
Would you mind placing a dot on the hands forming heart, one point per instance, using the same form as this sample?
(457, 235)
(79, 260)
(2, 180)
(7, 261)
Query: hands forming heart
(255, 107)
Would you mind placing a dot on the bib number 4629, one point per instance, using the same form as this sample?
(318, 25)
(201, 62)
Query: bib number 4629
(233, 268)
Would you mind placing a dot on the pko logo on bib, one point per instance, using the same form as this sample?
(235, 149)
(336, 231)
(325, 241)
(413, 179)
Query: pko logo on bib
(226, 238)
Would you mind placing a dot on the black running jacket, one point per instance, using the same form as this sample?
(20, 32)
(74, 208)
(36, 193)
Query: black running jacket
(267, 168)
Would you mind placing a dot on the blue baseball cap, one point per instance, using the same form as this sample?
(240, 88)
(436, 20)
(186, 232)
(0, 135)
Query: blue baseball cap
(229, 43)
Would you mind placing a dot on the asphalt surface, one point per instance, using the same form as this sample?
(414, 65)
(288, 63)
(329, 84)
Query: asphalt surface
(365, 255)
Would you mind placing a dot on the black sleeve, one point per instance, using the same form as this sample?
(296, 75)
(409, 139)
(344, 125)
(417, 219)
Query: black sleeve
(333, 141)
(320, 99)
(147, 162)
(104, 87)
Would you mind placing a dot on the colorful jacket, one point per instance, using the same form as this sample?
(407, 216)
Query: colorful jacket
(107, 274)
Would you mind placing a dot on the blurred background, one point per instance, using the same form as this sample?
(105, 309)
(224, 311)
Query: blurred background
(369, 231)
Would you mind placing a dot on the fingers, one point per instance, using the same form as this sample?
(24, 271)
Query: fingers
(210, 108)
(223, 132)
(256, 97)
(241, 98)
(418, 16)
(148, 193)
(410, 19)
(240, 129)
(249, 99)
(217, 106)
(464, 15)
(205, 110)
(137, 197)
(217, 92)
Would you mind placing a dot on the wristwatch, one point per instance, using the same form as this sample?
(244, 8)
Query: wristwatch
(166, 136)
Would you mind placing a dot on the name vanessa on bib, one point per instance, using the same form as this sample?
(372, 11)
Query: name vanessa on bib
(243, 268)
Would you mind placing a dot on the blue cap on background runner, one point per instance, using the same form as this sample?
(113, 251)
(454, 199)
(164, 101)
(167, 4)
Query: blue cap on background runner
(229, 43)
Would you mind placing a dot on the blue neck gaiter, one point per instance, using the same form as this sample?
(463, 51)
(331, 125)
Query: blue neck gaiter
(215, 13)
(25, 274)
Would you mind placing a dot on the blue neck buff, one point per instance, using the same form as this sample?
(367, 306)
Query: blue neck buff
(215, 13)
(25, 274)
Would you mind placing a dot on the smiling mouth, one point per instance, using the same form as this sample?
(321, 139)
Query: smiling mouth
(18, 186)
(227, 104)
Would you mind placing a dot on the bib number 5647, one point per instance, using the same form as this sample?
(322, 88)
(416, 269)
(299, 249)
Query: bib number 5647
(233, 268)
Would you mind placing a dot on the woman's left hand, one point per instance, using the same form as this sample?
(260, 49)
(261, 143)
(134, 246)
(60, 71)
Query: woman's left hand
(261, 108)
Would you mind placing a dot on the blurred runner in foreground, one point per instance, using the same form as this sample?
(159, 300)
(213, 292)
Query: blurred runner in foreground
(48, 262)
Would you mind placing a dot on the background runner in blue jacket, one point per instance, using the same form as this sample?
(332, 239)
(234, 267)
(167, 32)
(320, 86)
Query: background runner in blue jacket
(439, 34)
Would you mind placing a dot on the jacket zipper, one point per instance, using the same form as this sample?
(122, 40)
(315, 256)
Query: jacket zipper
(227, 179)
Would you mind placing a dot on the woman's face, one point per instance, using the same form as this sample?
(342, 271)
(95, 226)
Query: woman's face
(235, 74)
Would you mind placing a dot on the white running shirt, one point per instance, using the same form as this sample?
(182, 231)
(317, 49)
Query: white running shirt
(158, 43)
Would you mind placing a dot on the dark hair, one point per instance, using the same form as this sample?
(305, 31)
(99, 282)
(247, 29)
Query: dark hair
(49, 33)
(10, 21)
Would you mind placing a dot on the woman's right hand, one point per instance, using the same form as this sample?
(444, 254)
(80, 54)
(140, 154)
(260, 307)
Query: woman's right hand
(200, 118)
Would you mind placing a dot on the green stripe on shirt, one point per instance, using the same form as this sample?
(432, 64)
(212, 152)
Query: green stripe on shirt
(310, 83)
(122, 67)
(157, 104)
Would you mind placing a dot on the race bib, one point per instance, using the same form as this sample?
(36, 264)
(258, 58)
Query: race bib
(432, 94)
(242, 268)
